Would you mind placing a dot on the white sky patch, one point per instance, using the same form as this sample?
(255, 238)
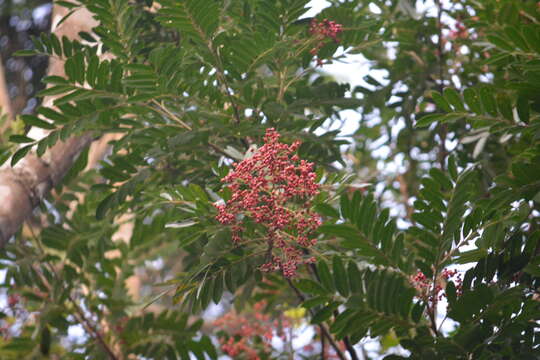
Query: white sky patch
(316, 7)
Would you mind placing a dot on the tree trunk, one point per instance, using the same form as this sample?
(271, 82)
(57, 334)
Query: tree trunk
(5, 102)
(23, 186)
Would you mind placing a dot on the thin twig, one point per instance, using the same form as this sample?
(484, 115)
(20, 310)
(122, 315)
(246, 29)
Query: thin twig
(323, 347)
(90, 328)
(440, 55)
(350, 348)
(346, 340)
(431, 313)
(218, 149)
(324, 330)
(220, 72)
(162, 109)
(168, 113)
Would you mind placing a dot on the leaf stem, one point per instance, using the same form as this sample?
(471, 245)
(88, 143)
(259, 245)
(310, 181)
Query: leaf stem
(164, 110)
(324, 330)
(346, 340)
(79, 313)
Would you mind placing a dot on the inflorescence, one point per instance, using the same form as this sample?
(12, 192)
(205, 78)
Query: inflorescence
(433, 293)
(274, 188)
(323, 30)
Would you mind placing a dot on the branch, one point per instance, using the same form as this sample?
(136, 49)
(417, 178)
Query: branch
(23, 186)
(323, 348)
(5, 102)
(163, 110)
(324, 330)
(79, 315)
(346, 340)
(350, 348)
(440, 55)
(91, 328)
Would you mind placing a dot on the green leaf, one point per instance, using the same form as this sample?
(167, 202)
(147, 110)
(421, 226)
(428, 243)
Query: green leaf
(345, 206)
(208, 347)
(342, 230)
(488, 100)
(310, 287)
(473, 100)
(104, 206)
(452, 167)
(355, 277)
(453, 98)
(471, 256)
(500, 43)
(67, 46)
(417, 311)
(429, 119)
(451, 293)
(78, 166)
(20, 139)
(327, 210)
(53, 115)
(198, 20)
(340, 276)
(342, 320)
(57, 47)
(516, 38)
(441, 102)
(523, 108)
(67, 4)
(229, 282)
(45, 341)
(314, 301)
(471, 303)
(505, 106)
(533, 267)
(325, 313)
(441, 178)
(218, 288)
(87, 37)
(205, 294)
(54, 90)
(25, 53)
(57, 80)
(456, 205)
(19, 154)
(324, 274)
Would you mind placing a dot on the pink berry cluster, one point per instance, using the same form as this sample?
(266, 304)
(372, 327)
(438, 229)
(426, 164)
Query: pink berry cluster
(274, 188)
(434, 293)
(13, 300)
(323, 30)
(248, 334)
(18, 312)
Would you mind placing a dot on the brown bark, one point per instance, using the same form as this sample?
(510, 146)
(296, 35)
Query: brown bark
(5, 102)
(22, 187)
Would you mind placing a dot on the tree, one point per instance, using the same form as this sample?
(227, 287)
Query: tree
(239, 193)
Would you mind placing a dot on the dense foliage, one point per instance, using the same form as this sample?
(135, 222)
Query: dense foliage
(433, 207)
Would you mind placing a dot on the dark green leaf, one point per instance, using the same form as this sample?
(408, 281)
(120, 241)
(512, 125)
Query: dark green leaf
(19, 154)
(340, 276)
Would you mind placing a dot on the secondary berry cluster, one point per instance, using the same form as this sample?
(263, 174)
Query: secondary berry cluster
(249, 335)
(323, 30)
(432, 293)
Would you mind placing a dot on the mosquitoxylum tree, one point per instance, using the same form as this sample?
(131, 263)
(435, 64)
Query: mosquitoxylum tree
(418, 229)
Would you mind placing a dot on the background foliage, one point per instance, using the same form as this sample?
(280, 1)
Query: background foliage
(442, 172)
